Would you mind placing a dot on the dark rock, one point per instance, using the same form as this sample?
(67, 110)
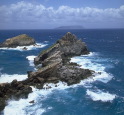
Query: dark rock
(73, 74)
(25, 48)
(2, 104)
(99, 73)
(1, 94)
(31, 101)
(21, 40)
(41, 80)
(39, 86)
(28, 72)
(20, 86)
(23, 93)
(53, 79)
(14, 83)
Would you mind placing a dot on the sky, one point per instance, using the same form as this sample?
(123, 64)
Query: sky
(49, 14)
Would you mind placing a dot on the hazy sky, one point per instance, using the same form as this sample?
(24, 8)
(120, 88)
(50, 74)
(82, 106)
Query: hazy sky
(43, 14)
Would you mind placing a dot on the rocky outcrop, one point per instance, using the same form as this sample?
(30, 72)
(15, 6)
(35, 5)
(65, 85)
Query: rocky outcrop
(56, 66)
(15, 90)
(21, 40)
(67, 47)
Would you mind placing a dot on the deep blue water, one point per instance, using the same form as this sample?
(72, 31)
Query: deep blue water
(95, 98)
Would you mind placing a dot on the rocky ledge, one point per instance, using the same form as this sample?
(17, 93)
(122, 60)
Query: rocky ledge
(20, 40)
(56, 66)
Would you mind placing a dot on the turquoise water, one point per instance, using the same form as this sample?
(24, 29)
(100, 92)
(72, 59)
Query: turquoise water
(103, 94)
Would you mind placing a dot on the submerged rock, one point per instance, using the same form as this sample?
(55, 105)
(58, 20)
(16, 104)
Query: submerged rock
(20, 40)
(25, 48)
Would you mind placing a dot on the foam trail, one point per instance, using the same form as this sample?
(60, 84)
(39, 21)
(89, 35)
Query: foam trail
(101, 96)
(23, 107)
(31, 60)
(31, 47)
(9, 78)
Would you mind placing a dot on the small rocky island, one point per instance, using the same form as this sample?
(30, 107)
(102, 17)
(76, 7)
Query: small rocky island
(56, 66)
(20, 40)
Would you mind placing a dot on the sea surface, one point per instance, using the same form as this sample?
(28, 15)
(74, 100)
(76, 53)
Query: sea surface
(99, 95)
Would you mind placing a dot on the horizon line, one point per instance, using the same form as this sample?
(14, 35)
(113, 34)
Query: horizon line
(62, 29)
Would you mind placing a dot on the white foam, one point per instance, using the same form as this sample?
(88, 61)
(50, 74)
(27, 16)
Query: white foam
(31, 60)
(23, 107)
(9, 78)
(31, 47)
(101, 96)
(91, 62)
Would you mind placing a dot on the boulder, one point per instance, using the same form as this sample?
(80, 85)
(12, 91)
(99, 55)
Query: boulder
(20, 40)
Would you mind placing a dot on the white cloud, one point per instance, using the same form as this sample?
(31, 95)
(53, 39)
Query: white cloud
(24, 13)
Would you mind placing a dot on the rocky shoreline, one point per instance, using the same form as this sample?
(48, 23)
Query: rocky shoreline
(56, 66)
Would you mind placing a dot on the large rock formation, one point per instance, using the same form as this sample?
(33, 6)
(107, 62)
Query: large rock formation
(68, 46)
(56, 61)
(56, 66)
(21, 40)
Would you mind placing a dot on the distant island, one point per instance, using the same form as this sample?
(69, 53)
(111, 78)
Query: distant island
(70, 27)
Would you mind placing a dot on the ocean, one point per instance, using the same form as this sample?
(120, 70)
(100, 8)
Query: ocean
(101, 94)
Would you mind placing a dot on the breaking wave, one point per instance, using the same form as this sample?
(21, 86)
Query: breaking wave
(31, 60)
(101, 96)
(91, 62)
(27, 48)
(24, 107)
(9, 78)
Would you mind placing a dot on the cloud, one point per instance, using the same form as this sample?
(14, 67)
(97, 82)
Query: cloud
(24, 14)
